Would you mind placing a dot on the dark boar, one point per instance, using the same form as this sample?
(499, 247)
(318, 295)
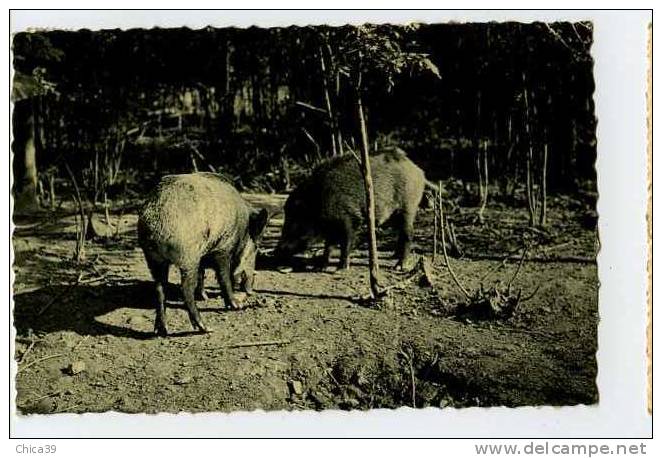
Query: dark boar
(199, 221)
(331, 204)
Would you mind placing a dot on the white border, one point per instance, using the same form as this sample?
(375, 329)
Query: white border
(620, 65)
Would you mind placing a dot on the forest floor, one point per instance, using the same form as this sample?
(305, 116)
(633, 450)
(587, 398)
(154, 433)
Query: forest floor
(84, 340)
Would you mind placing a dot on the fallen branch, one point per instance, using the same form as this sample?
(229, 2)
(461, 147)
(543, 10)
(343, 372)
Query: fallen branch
(260, 343)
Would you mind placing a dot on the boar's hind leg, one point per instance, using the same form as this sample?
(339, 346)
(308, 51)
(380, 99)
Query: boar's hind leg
(200, 293)
(323, 260)
(404, 240)
(159, 272)
(346, 243)
(189, 283)
(224, 277)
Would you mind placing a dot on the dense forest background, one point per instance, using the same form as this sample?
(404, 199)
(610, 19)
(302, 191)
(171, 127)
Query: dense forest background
(117, 109)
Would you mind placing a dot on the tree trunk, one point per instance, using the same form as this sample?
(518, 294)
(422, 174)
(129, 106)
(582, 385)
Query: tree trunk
(483, 180)
(327, 101)
(25, 159)
(370, 199)
(339, 138)
(543, 189)
(531, 198)
(228, 92)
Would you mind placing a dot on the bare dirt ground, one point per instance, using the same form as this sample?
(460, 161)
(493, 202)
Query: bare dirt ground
(85, 344)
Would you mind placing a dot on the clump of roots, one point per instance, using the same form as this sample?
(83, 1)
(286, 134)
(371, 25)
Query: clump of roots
(495, 303)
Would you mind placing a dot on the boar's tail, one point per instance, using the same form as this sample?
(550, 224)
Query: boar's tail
(433, 186)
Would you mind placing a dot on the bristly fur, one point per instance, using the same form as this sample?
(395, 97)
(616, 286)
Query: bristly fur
(186, 216)
(331, 204)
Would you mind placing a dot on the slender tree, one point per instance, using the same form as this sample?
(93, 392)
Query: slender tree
(377, 52)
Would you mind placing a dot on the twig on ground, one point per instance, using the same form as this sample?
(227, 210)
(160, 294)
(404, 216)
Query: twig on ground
(91, 280)
(519, 266)
(493, 270)
(328, 372)
(72, 407)
(538, 259)
(443, 248)
(351, 150)
(21, 369)
(403, 283)
(49, 395)
(528, 298)
(409, 358)
(26, 226)
(538, 230)
(25, 353)
(61, 295)
(80, 343)
(183, 352)
(427, 273)
(310, 107)
(260, 343)
(413, 384)
(554, 247)
(434, 233)
(530, 331)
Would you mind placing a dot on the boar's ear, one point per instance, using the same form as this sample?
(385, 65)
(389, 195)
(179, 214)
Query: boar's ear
(257, 223)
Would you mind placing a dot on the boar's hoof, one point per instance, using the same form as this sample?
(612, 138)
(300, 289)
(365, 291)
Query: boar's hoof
(201, 295)
(234, 305)
(160, 330)
(236, 300)
(203, 329)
